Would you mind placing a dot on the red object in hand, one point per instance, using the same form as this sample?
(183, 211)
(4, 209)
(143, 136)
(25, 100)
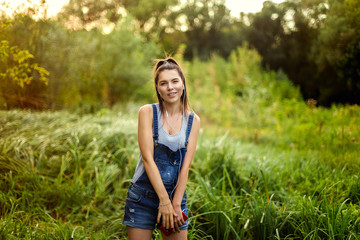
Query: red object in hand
(167, 232)
(184, 216)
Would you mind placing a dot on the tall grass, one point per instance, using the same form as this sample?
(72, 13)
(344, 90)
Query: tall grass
(66, 167)
(268, 165)
(262, 200)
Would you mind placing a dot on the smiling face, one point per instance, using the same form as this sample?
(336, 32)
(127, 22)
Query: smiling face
(173, 79)
(170, 86)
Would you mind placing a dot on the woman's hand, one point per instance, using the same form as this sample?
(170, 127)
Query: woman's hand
(167, 214)
(178, 219)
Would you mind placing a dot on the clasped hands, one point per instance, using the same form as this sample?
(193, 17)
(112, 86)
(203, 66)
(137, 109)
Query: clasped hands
(170, 215)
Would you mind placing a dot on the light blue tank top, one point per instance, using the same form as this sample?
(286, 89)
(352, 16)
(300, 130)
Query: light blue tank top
(174, 142)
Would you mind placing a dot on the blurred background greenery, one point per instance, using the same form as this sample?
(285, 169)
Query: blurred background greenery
(277, 92)
(97, 53)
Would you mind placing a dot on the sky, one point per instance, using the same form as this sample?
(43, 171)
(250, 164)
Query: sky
(246, 6)
(236, 6)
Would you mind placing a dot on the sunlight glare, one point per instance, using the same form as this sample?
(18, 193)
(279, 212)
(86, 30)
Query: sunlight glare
(54, 6)
(235, 6)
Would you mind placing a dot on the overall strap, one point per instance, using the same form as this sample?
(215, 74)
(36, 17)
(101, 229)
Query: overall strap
(155, 125)
(188, 129)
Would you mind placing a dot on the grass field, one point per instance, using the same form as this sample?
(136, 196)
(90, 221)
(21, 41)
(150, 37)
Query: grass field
(65, 176)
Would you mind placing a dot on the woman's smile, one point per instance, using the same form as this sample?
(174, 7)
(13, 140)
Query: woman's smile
(173, 94)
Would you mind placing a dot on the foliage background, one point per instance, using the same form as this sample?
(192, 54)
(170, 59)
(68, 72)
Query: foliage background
(101, 53)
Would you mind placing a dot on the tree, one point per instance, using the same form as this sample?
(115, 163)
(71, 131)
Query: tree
(208, 25)
(20, 76)
(338, 51)
(109, 68)
(314, 42)
(266, 32)
(80, 14)
(88, 14)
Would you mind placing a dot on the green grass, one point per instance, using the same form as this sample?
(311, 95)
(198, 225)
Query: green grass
(65, 176)
(66, 168)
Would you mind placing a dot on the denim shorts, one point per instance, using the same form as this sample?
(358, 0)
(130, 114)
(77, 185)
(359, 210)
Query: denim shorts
(141, 208)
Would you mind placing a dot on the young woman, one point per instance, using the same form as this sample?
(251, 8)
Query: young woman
(167, 137)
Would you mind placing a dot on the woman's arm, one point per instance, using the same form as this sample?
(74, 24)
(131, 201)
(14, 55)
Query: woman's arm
(146, 145)
(184, 172)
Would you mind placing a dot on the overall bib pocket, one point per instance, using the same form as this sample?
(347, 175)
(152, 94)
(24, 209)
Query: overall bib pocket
(168, 172)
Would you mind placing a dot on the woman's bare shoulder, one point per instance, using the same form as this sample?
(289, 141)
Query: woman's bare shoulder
(196, 117)
(146, 108)
(145, 111)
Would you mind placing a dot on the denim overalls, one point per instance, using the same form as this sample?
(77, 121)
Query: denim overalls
(142, 202)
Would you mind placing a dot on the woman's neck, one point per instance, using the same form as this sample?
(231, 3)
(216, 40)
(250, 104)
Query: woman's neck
(172, 109)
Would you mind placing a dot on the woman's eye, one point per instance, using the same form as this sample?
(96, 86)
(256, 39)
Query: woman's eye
(162, 84)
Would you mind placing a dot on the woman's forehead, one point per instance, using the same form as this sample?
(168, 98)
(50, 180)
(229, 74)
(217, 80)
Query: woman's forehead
(168, 75)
